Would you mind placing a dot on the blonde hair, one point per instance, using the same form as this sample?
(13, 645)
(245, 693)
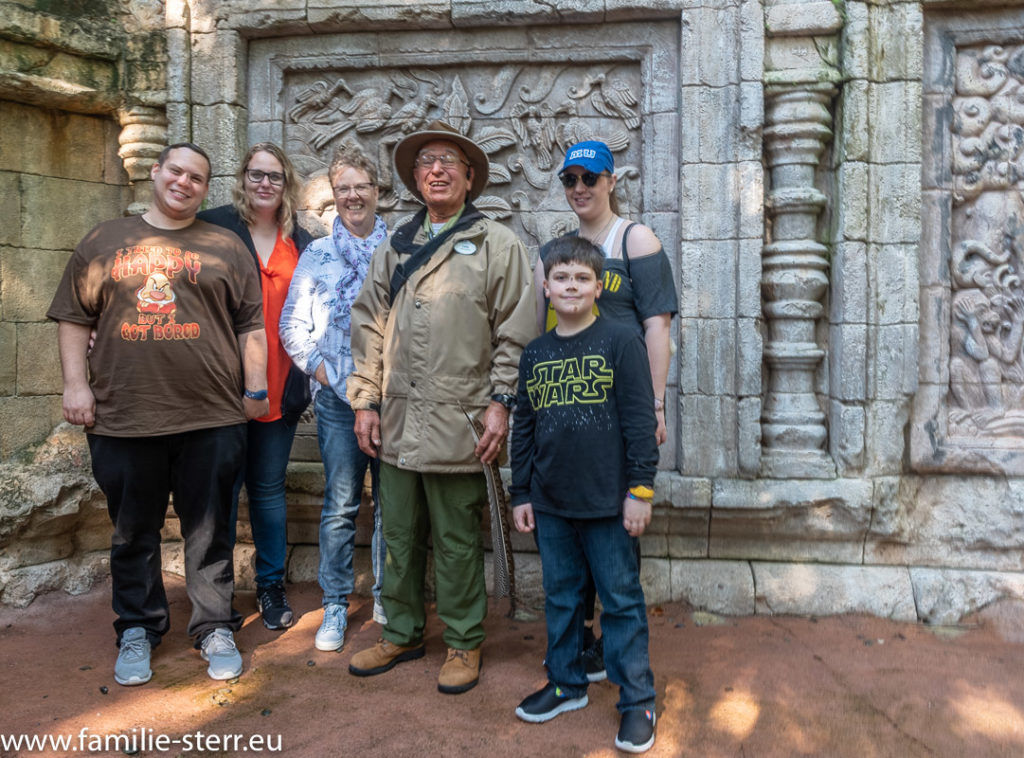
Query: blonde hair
(289, 192)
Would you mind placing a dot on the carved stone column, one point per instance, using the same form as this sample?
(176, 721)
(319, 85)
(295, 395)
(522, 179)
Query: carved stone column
(143, 136)
(794, 281)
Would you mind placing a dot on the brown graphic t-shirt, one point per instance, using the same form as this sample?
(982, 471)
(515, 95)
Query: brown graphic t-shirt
(167, 306)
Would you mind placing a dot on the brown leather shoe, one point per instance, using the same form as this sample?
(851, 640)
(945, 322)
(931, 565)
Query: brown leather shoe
(460, 672)
(382, 657)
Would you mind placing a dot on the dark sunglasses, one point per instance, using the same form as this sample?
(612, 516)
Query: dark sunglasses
(589, 179)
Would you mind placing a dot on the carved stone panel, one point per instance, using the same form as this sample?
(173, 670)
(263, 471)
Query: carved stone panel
(969, 415)
(524, 101)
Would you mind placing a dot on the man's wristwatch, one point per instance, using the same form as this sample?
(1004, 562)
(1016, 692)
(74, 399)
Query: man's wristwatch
(256, 394)
(507, 400)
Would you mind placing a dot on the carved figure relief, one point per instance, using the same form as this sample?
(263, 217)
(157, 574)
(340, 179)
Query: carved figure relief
(523, 116)
(986, 367)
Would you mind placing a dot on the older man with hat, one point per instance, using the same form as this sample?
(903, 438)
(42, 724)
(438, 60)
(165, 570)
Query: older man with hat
(437, 331)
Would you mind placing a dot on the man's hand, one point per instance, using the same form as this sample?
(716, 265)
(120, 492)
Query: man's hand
(636, 515)
(255, 408)
(79, 405)
(321, 373)
(522, 517)
(495, 432)
(367, 429)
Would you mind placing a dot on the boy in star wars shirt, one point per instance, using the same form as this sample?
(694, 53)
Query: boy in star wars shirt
(583, 462)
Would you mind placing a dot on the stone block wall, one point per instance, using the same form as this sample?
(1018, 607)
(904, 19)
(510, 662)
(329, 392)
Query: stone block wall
(845, 432)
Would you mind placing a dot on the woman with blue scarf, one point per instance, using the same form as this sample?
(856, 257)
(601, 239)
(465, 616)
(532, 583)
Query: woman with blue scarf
(316, 332)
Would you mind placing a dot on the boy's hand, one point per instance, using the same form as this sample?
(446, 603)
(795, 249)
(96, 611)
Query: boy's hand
(522, 515)
(636, 515)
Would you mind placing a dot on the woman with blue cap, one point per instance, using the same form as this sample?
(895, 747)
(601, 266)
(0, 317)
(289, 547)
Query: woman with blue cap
(639, 291)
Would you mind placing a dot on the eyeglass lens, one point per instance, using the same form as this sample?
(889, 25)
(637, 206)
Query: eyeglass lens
(589, 179)
(256, 176)
(448, 160)
(359, 189)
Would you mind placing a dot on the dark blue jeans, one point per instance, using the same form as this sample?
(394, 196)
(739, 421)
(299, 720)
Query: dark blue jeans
(567, 548)
(138, 474)
(266, 468)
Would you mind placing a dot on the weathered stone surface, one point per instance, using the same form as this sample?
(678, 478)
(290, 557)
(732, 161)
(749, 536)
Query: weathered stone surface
(896, 49)
(855, 40)
(656, 578)
(790, 520)
(10, 209)
(709, 283)
(83, 205)
(853, 139)
(937, 521)
(712, 65)
(716, 586)
(38, 360)
(710, 422)
(387, 15)
(220, 124)
(848, 361)
(946, 596)
(74, 576)
(894, 213)
(821, 590)
(483, 13)
(8, 368)
(846, 441)
(806, 19)
(221, 52)
(46, 142)
(26, 420)
(849, 304)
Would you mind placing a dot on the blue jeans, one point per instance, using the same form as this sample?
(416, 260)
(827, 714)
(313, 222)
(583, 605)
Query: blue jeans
(266, 468)
(567, 547)
(345, 470)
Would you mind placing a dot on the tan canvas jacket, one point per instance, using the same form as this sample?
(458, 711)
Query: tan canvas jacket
(453, 335)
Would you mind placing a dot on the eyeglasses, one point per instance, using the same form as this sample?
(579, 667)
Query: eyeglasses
(256, 176)
(448, 160)
(589, 179)
(345, 190)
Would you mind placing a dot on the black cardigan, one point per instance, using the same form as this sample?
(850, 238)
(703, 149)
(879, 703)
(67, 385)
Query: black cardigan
(296, 396)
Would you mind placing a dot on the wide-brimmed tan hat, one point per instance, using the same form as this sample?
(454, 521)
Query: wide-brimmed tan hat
(407, 150)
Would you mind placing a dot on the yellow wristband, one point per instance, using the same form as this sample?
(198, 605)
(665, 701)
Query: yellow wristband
(642, 492)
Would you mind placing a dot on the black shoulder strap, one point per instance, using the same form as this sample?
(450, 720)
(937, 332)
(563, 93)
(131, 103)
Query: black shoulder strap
(419, 256)
(625, 253)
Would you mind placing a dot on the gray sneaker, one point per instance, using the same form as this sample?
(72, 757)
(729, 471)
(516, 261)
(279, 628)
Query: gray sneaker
(331, 634)
(218, 648)
(132, 665)
(378, 613)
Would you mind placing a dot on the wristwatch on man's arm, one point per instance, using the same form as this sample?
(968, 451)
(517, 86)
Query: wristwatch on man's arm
(508, 401)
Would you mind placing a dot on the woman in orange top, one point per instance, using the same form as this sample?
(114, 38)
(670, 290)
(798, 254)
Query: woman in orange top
(262, 214)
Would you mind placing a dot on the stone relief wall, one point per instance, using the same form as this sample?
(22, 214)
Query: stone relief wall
(524, 118)
(976, 159)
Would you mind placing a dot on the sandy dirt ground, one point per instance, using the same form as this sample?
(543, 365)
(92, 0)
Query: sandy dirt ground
(739, 688)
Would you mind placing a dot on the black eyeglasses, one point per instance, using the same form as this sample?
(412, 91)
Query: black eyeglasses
(256, 176)
(589, 179)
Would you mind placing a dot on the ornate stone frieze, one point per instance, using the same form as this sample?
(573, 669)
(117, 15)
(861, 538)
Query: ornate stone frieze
(523, 116)
(970, 415)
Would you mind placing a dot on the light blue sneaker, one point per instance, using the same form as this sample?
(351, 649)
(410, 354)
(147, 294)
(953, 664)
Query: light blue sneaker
(331, 634)
(219, 650)
(132, 665)
(378, 613)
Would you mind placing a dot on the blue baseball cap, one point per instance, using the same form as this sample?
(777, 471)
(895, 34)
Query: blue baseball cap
(591, 155)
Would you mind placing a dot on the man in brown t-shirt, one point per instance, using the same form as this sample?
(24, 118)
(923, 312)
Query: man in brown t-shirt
(177, 367)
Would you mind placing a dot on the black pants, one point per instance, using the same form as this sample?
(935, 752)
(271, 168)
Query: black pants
(138, 474)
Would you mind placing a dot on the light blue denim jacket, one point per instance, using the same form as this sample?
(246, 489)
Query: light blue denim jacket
(315, 323)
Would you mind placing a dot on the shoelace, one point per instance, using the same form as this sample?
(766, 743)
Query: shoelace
(332, 619)
(218, 643)
(460, 654)
(133, 650)
(272, 597)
